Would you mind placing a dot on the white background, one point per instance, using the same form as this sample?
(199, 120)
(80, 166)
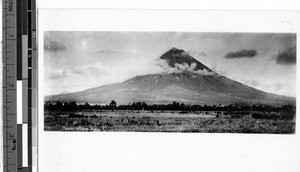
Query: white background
(172, 151)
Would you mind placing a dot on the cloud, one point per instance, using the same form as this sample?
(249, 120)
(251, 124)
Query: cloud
(278, 86)
(106, 51)
(185, 66)
(197, 53)
(109, 51)
(182, 54)
(202, 53)
(54, 46)
(78, 71)
(205, 72)
(287, 56)
(58, 75)
(245, 53)
(180, 68)
(85, 71)
(215, 68)
(221, 72)
(252, 82)
(284, 89)
(97, 71)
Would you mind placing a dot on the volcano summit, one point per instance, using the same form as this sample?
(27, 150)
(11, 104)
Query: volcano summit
(184, 80)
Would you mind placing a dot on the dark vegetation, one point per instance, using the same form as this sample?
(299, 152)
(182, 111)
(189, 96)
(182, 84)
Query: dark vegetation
(175, 106)
(174, 117)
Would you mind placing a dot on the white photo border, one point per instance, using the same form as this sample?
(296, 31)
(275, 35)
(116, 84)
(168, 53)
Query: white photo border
(130, 151)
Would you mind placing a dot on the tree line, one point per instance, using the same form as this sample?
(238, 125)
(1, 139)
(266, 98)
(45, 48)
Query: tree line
(175, 106)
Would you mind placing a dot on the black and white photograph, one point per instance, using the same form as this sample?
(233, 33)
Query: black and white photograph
(149, 81)
(167, 90)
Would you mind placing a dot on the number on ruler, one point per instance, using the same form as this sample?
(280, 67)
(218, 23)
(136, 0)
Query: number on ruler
(11, 85)
(14, 145)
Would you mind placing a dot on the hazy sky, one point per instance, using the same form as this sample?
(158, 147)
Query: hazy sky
(76, 61)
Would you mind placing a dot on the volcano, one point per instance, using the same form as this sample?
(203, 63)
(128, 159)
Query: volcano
(185, 80)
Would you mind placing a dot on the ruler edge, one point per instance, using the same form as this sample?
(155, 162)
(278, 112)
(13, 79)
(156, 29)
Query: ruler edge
(4, 84)
(34, 75)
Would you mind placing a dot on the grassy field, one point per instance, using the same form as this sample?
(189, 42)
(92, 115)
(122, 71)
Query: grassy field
(169, 121)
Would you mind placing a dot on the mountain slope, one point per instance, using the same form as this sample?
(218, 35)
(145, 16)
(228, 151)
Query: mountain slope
(175, 56)
(189, 82)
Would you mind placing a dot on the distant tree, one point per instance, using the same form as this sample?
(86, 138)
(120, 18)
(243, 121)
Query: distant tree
(58, 105)
(113, 105)
(87, 105)
(70, 106)
(48, 105)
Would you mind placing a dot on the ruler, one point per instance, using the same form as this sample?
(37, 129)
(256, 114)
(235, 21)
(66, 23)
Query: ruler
(19, 86)
(9, 86)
